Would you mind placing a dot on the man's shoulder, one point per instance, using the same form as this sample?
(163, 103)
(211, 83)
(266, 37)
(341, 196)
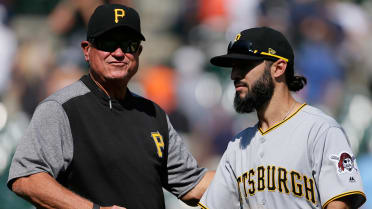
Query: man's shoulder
(244, 138)
(314, 115)
(144, 102)
(73, 90)
(138, 97)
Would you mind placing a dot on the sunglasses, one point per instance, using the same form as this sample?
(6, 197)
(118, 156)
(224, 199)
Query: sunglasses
(243, 47)
(106, 45)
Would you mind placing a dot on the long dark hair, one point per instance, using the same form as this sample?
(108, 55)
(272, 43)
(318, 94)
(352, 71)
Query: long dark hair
(294, 82)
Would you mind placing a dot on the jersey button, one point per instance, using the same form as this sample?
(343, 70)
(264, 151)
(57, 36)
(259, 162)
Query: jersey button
(262, 154)
(263, 140)
(263, 202)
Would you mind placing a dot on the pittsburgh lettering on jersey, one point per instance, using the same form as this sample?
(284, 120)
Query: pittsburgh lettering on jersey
(278, 179)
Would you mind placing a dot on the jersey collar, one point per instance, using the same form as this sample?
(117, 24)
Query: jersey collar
(280, 123)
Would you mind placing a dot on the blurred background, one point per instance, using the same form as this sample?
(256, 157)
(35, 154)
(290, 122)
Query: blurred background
(40, 53)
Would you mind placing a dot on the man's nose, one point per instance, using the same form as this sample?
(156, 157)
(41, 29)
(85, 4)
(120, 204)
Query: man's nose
(118, 52)
(236, 74)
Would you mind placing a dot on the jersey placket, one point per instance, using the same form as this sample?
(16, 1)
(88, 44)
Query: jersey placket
(261, 201)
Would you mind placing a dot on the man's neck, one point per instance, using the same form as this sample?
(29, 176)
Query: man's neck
(280, 107)
(112, 89)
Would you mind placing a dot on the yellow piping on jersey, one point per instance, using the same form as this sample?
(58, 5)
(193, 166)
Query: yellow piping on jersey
(202, 206)
(280, 123)
(343, 195)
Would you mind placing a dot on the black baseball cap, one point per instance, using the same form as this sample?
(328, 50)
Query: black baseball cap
(110, 16)
(254, 44)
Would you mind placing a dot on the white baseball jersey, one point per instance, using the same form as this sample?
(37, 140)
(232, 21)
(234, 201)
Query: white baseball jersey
(304, 161)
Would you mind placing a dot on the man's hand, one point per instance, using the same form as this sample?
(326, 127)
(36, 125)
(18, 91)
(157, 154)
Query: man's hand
(193, 196)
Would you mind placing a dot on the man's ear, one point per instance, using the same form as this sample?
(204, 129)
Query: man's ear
(85, 46)
(139, 50)
(278, 68)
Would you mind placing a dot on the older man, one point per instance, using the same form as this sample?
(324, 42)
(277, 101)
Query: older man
(95, 143)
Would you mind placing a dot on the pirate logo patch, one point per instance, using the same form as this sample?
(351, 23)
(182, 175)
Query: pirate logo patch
(345, 162)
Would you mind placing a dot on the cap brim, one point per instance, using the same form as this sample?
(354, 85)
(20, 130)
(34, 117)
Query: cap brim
(227, 60)
(124, 26)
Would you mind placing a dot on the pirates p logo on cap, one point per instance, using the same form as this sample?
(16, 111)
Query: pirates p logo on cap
(119, 13)
(107, 17)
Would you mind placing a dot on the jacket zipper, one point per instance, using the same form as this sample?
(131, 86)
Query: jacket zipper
(110, 102)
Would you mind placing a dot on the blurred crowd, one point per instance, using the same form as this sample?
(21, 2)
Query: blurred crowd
(40, 53)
